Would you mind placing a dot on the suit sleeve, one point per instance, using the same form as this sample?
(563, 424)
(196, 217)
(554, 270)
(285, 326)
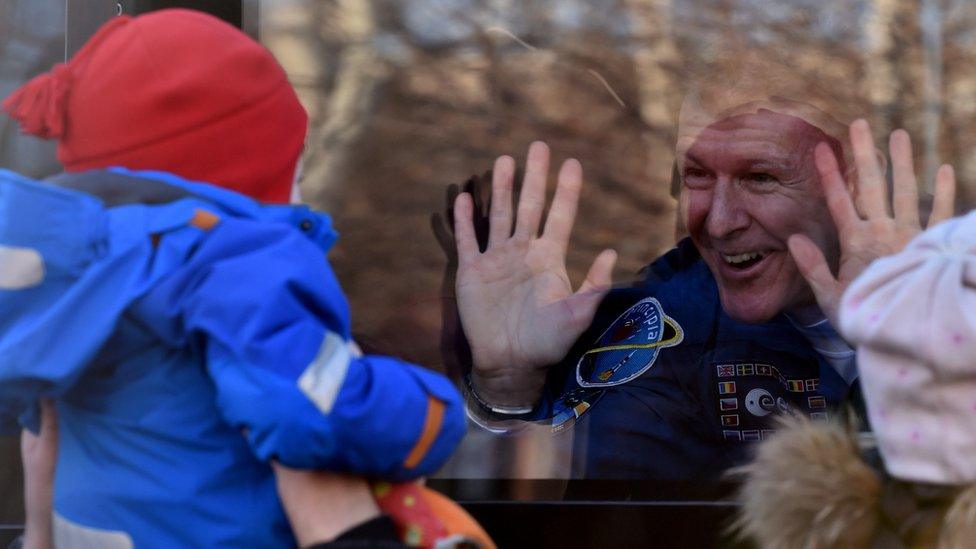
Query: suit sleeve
(267, 311)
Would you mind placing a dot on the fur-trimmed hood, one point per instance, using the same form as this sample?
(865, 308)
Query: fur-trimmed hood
(811, 487)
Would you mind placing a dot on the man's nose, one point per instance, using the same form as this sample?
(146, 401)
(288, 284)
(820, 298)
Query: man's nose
(728, 214)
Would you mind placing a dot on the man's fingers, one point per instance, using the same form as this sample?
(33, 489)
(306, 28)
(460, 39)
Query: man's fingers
(464, 236)
(835, 191)
(562, 214)
(871, 189)
(905, 195)
(533, 198)
(500, 215)
(600, 275)
(813, 266)
(944, 203)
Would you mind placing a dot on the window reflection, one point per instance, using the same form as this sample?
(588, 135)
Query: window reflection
(409, 97)
(661, 102)
(31, 40)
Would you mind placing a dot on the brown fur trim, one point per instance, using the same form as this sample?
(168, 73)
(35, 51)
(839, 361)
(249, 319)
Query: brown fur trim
(959, 526)
(809, 488)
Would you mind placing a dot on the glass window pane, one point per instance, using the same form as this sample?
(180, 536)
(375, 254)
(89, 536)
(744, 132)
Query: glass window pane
(32, 39)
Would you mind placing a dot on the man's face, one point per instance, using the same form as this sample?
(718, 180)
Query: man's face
(748, 183)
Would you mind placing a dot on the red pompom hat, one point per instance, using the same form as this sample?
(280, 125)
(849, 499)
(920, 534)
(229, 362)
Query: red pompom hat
(173, 90)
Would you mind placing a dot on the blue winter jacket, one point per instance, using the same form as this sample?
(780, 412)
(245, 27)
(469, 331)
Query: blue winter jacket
(189, 336)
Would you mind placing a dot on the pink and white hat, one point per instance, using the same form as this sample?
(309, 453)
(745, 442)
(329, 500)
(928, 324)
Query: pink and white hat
(912, 317)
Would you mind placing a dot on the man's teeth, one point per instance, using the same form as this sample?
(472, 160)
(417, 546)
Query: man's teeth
(741, 258)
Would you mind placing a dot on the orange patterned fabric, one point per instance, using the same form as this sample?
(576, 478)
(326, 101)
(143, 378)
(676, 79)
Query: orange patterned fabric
(426, 518)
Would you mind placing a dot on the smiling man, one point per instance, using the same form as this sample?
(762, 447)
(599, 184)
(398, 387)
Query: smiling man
(671, 377)
(749, 183)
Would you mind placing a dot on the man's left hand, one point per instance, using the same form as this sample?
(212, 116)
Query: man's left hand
(867, 230)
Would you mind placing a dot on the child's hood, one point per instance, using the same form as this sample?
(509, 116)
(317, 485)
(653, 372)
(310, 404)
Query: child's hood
(77, 250)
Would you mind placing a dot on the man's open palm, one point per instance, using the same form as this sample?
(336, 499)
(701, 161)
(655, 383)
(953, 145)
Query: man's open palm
(867, 228)
(517, 305)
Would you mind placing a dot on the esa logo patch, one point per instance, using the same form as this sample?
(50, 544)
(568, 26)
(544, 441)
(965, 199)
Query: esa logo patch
(629, 347)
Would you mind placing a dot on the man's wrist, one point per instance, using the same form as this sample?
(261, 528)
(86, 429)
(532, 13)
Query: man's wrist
(504, 398)
(491, 408)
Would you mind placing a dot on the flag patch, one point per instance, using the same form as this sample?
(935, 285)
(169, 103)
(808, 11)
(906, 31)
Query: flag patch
(726, 387)
(730, 420)
(816, 402)
(751, 435)
(746, 369)
(732, 435)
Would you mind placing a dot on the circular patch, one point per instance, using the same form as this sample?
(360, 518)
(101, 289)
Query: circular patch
(760, 403)
(629, 347)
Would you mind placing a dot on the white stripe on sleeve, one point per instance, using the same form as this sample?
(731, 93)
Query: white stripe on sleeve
(20, 268)
(323, 378)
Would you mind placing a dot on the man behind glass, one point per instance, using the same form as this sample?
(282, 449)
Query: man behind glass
(671, 377)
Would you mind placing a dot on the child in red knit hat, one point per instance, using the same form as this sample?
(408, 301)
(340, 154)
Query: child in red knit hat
(175, 91)
(181, 92)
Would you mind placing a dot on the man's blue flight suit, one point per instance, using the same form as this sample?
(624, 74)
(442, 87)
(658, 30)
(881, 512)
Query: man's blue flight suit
(665, 385)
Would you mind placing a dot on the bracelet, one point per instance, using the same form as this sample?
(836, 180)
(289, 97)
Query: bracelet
(493, 409)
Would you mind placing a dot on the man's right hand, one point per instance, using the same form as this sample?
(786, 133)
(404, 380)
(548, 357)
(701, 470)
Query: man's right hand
(517, 305)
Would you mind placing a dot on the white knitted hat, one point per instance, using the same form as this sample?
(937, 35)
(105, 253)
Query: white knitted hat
(912, 317)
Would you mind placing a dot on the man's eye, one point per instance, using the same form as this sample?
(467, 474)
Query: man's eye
(696, 177)
(761, 178)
